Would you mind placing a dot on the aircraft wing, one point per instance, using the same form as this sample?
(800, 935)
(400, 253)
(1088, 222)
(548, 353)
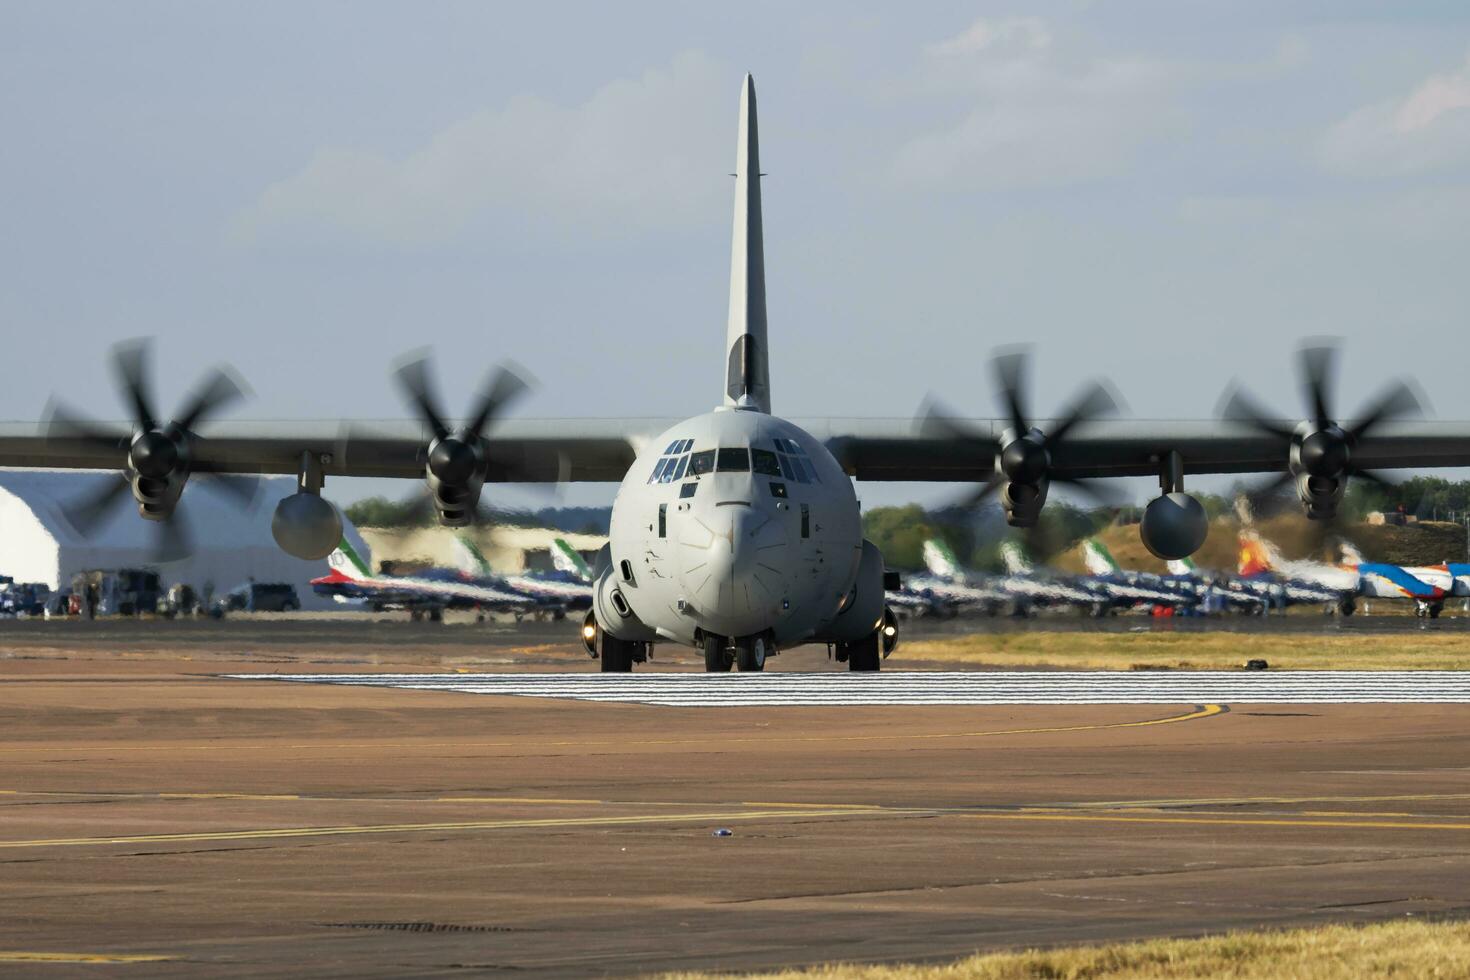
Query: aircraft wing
(521, 451)
(601, 450)
(895, 449)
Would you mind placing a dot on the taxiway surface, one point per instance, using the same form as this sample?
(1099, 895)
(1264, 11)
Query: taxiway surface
(153, 810)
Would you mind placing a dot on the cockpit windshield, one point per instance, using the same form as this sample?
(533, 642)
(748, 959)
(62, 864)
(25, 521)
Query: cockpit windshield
(733, 460)
(702, 462)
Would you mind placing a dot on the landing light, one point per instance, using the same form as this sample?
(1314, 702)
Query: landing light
(890, 631)
(589, 632)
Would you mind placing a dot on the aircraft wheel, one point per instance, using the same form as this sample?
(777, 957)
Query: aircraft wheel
(751, 654)
(717, 659)
(1435, 608)
(863, 655)
(617, 655)
(1347, 607)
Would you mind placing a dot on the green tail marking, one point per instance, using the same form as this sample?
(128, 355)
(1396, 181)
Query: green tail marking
(347, 561)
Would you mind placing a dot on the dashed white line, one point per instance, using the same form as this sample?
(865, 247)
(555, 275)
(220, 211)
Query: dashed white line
(949, 688)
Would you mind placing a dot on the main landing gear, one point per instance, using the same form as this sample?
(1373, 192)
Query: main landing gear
(618, 656)
(862, 655)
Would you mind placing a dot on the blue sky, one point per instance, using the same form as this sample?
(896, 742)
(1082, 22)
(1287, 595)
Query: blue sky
(1167, 194)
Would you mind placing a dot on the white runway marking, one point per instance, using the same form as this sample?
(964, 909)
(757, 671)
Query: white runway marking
(970, 687)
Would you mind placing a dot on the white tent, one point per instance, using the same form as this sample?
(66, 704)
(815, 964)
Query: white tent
(231, 546)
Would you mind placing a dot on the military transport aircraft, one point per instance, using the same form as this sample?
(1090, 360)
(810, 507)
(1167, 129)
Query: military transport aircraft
(735, 530)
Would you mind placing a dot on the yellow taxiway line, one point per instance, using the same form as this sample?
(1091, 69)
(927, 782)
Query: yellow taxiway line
(425, 828)
(20, 956)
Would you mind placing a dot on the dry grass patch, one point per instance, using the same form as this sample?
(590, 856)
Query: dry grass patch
(1195, 651)
(1394, 949)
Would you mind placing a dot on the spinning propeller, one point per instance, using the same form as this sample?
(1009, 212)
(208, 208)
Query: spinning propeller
(458, 460)
(1023, 464)
(1319, 450)
(155, 458)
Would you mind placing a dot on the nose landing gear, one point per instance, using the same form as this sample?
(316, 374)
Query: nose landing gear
(747, 652)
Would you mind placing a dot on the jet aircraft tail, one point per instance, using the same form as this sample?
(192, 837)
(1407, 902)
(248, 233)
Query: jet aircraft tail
(1183, 566)
(471, 558)
(1257, 556)
(1015, 560)
(565, 558)
(940, 560)
(1098, 558)
(346, 562)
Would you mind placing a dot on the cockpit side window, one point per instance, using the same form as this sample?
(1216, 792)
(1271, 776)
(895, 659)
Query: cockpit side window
(702, 462)
(733, 459)
(763, 461)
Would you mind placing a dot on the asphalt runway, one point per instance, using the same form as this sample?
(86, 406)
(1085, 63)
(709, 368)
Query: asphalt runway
(159, 818)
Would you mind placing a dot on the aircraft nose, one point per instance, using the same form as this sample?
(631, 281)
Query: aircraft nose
(729, 590)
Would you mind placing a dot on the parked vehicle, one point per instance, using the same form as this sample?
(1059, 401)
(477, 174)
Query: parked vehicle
(22, 598)
(258, 597)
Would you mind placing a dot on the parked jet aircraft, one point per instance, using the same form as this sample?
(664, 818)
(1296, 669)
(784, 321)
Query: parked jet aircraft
(1020, 589)
(734, 530)
(429, 592)
(1427, 585)
(1304, 579)
(1183, 580)
(570, 586)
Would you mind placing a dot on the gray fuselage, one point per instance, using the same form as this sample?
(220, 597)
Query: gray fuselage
(734, 523)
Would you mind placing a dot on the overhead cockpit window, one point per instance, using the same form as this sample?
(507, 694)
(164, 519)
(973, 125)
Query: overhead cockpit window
(763, 461)
(733, 460)
(793, 468)
(702, 462)
(671, 462)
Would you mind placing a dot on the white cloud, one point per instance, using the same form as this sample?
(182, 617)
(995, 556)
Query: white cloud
(639, 153)
(1025, 33)
(1428, 130)
(1030, 114)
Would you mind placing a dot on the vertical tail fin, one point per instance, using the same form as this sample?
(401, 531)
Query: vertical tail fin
(747, 380)
(1183, 566)
(1098, 558)
(1015, 560)
(346, 561)
(940, 560)
(565, 558)
(1255, 555)
(471, 558)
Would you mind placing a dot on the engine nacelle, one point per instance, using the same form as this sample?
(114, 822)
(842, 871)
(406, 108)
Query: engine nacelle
(306, 526)
(455, 502)
(157, 496)
(1022, 502)
(1320, 495)
(1174, 526)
